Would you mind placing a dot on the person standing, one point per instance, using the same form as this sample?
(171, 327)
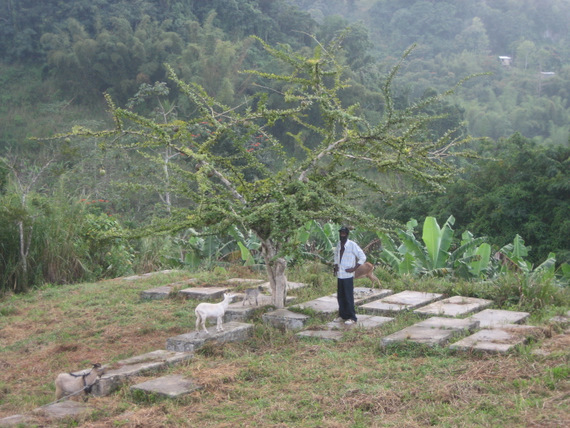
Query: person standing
(347, 257)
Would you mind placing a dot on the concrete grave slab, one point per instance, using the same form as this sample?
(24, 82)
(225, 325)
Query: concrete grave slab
(396, 303)
(454, 306)
(329, 304)
(148, 275)
(16, 420)
(290, 285)
(335, 330)
(158, 293)
(284, 318)
(63, 409)
(324, 305)
(432, 331)
(491, 318)
(326, 334)
(233, 332)
(364, 295)
(119, 373)
(239, 311)
(204, 293)
(240, 281)
(564, 320)
(497, 340)
(295, 285)
(172, 386)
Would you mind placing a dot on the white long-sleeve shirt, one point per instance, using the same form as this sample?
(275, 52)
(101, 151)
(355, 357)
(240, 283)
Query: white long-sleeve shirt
(352, 254)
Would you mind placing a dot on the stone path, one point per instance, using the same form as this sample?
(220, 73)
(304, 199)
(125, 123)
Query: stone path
(487, 330)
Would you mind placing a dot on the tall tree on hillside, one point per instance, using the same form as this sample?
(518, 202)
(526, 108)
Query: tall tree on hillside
(235, 172)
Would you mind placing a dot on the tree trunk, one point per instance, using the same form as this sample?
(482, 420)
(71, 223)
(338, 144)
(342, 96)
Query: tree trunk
(276, 272)
(24, 252)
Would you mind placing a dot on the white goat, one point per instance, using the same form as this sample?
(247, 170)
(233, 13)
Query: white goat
(212, 310)
(67, 384)
(366, 270)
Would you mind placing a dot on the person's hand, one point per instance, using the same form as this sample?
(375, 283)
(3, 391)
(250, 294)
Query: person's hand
(350, 270)
(335, 269)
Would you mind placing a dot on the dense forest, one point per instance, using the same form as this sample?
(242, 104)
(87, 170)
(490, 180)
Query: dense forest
(66, 202)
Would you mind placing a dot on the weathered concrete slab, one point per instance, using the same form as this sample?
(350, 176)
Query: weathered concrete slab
(396, 303)
(63, 409)
(432, 331)
(204, 293)
(491, 318)
(295, 285)
(119, 373)
(239, 311)
(497, 340)
(564, 320)
(172, 386)
(329, 304)
(284, 318)
(16, 420)
(233, 332)
(326, 334)
(324, 305)
(454, 306)
(335, 330)
(147, 275)
(158, 293)
(240, 281)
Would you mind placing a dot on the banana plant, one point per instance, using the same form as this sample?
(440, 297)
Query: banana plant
(470, 259)
(248, 246)
(512, 259)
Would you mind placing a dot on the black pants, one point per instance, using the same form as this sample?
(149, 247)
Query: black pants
(345, 297)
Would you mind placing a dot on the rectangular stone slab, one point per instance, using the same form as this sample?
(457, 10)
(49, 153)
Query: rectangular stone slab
(496, 340)
(115, 376)
(284, 318)
(395, 303)
(290, 285)
(325, 305)
(332, 335)
(204, 293)
(233, 332)
(158, 293)
(432, 331)
(243, 312)
(334, 330)
(329, 304)
(172, 386)
(148, 275)
(454, 306)
(491, 318)
(63, 409)
(245, 281)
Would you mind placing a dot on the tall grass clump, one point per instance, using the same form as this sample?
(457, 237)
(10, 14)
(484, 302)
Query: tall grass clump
(57, 239)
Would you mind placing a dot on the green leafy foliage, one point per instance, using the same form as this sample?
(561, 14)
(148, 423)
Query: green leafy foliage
(469, 260)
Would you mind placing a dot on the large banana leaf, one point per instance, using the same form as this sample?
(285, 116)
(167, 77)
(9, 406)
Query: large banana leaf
(437, 241)
(246, 255)
(482, 263)
(413, 246)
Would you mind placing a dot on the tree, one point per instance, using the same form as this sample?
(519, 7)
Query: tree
(235, 171)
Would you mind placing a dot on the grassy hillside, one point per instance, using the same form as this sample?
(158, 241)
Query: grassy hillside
(274, 379)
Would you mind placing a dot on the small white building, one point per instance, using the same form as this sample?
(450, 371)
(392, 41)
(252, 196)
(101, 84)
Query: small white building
(505, 60)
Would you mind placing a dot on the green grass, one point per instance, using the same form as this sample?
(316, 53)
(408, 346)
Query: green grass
(274, 378)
